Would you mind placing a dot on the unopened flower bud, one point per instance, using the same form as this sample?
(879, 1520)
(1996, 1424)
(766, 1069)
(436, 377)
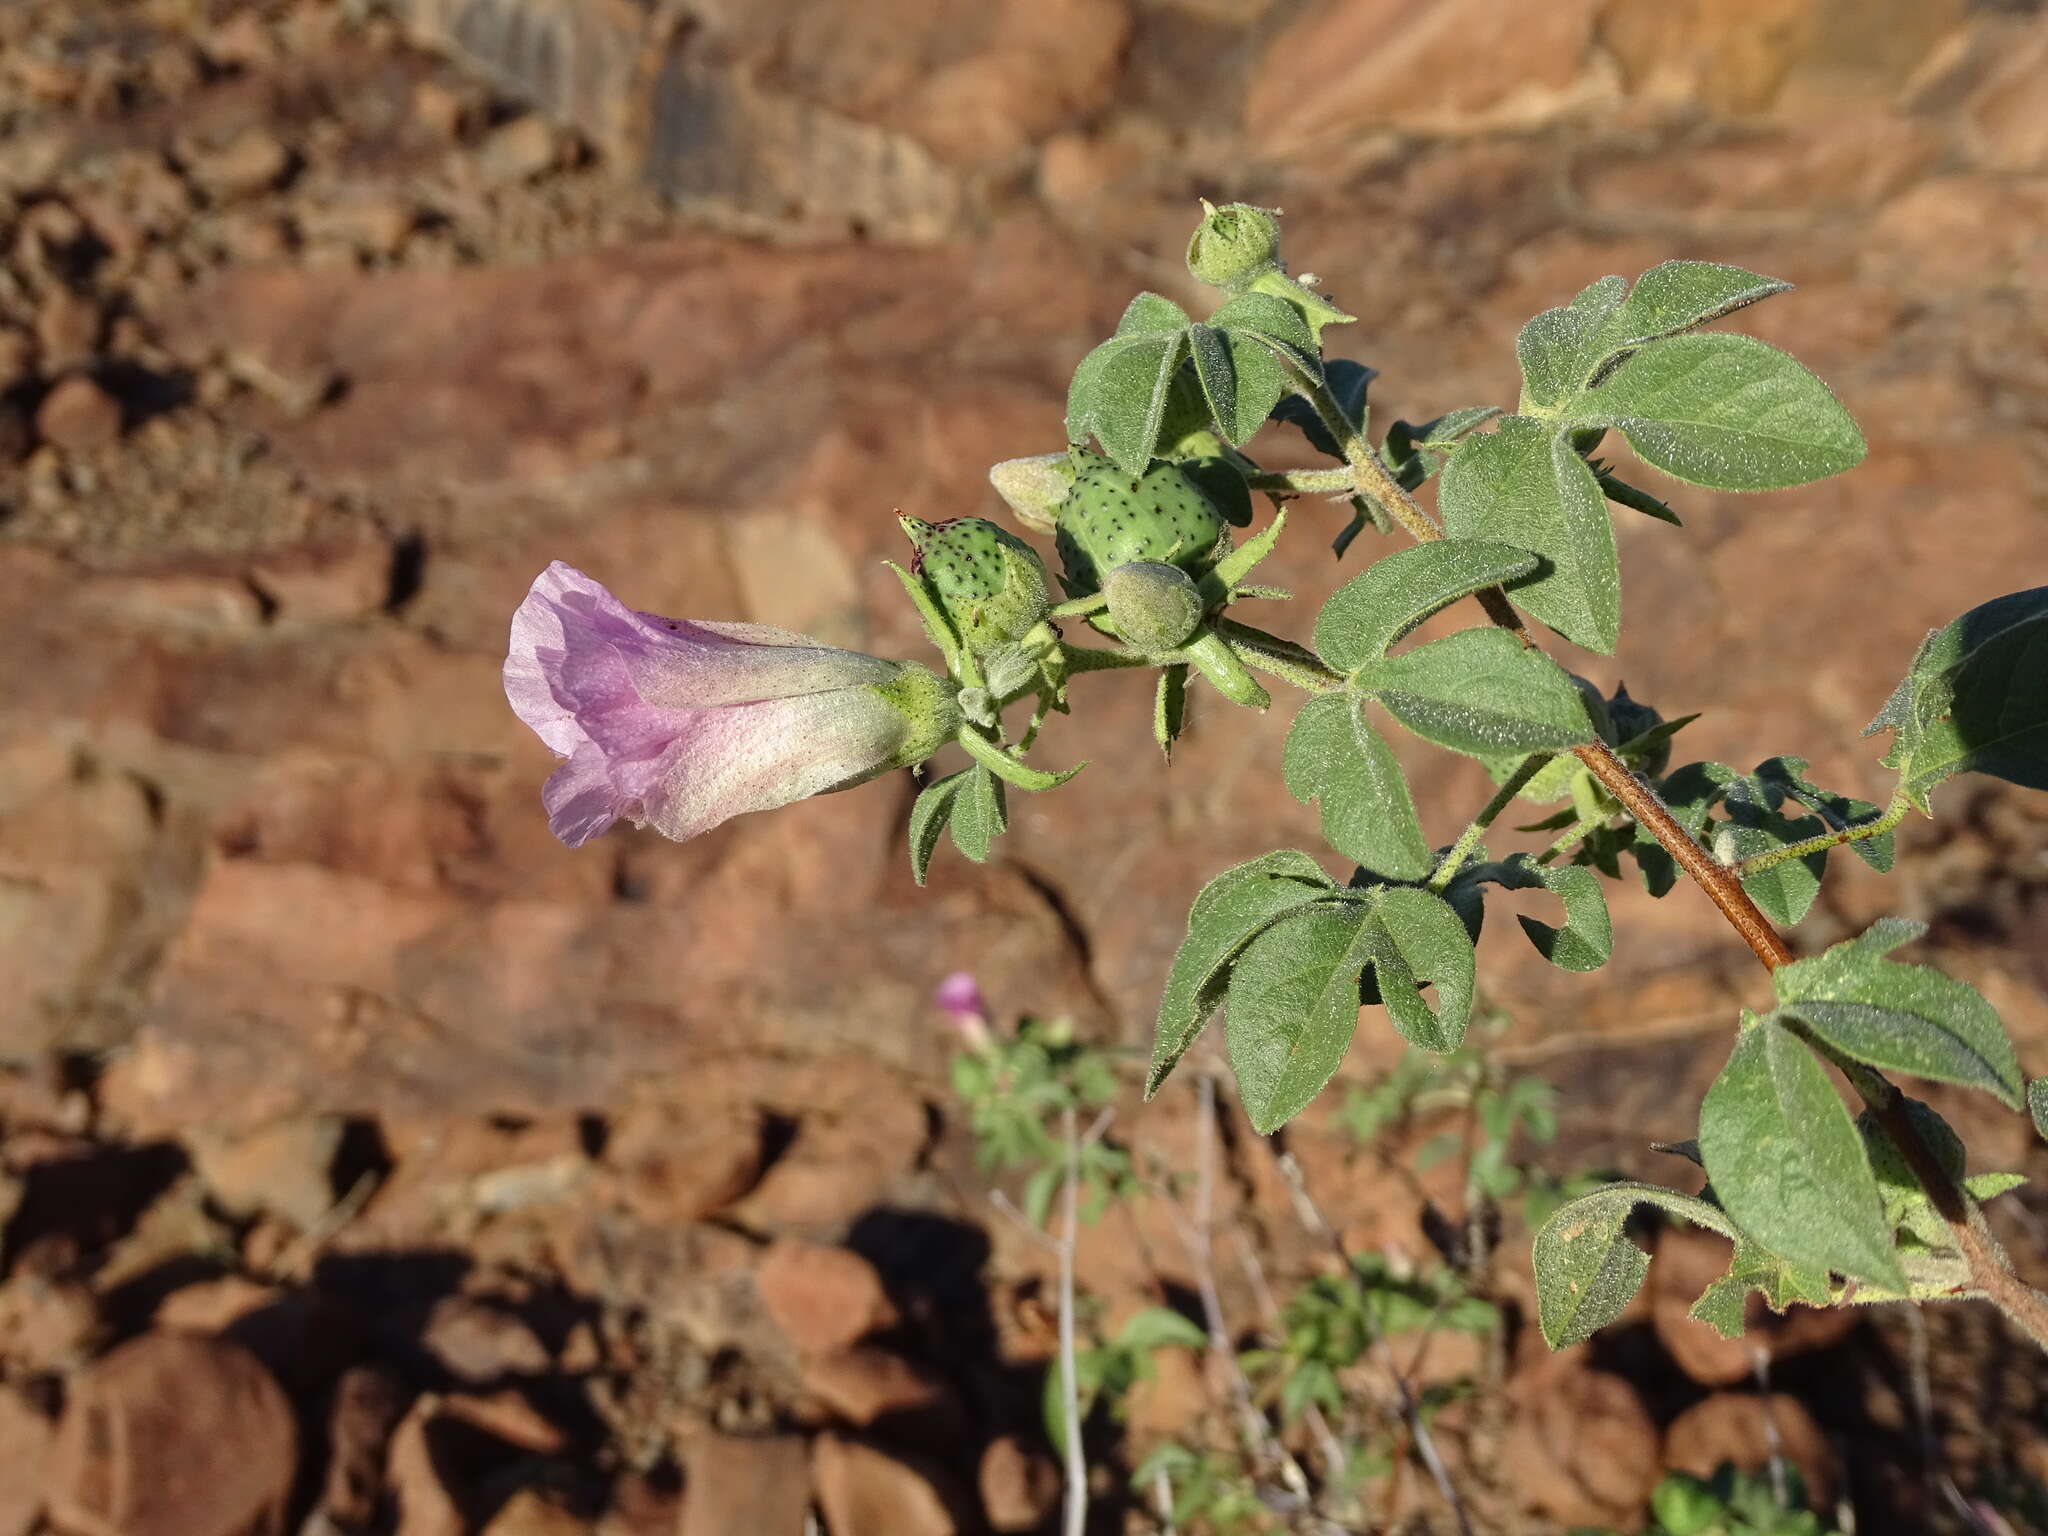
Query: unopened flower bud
(1034, 487)
(1233, 245)
(1155, 607)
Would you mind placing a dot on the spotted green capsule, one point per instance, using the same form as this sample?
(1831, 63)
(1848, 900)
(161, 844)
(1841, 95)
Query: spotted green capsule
(990, 583)
(1110, 519)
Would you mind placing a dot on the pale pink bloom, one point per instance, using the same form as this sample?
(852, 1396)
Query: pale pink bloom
(959, 998)
(679, 724)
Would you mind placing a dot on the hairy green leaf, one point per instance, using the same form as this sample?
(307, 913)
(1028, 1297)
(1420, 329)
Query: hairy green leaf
(929, 813)
(1241, 379)
(1119, 395)
(1170, 708)
(1587, 937)
(1901, 1018)
(1229, 911)
(1152, 314)
(1334, 755)
(1674, 296)
(1414, 939)
(1262, 314)
(1728, 412)
(1390, 597)
(1587, 1267)
(2037, 1106)
(980, 814)
(1291, 1010)
(1480, 692)
(1721, 1305)
(1522, 485)
(1975, 699)
(1787, 1163)
(1561, 347)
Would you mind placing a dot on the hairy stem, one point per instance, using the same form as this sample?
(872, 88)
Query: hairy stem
(1990, 1270)
(1894, 813)
(1301, 482)
(1489, 813)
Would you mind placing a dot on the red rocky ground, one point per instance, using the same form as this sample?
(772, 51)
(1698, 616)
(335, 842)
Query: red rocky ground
(374, 1161)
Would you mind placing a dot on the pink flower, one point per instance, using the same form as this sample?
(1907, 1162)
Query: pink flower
(959, 998)
(679, 724)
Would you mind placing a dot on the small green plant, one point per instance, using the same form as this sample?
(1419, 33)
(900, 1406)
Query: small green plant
(1328, 1327)
(1732, 1503)
(1107, 1372)
(1207, 1492)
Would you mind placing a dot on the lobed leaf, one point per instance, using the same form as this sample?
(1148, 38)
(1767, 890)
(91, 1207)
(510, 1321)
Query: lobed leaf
(1586, 940)
(1901, 1018)
(1416, 938)
(1523, 485)
(1334, 755)
(1587, 1268)
(1393, 595)
(1480, 692)
(1728, 412)
(1560, 348)
(1674, 296)
(1230, 910)
(1292, 1009)
(1787, 1163)
(1240, 377)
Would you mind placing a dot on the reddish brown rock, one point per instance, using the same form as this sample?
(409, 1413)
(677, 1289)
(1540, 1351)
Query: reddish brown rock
(284, 1169)
(173, 1435)
(1019, 1485)
(1584, 1448)
(422, 1486)
(78, 414)
(678, 1166)
(25, 1436)
(863, 1384)
(480, 1341)
(529, 1513)
(67, 331)
(865, 1491)
(254, 161)
(1745, 1430)
(733, 1483)
(822, 1299)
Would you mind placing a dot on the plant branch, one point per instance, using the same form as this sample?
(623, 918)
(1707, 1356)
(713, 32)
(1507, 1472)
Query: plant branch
(1301, 482)
(1893, 814)
(1503, 797)
(1990, 1270)
(1076, 1522)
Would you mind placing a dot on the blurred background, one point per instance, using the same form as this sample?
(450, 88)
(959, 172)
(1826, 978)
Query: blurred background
(325, 326)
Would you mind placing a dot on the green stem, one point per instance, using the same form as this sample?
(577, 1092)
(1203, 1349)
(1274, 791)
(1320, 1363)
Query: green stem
(1098, 658)
(1894, 813)
(1301, 482)
(1371, 477)
(1572, 834)
(1468, 840)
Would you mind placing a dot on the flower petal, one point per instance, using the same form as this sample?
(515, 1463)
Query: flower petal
(754, 757)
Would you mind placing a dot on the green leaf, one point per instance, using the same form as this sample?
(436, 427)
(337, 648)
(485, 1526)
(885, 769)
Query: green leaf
(1975, 700)
(2037, 1106)
(1522, 485)
(1241, 379)
(1901, 1018)
(1622, 494)
(1120, 390)
(1560, 348)
(1448, 430)
(1785, 891)
(1587, 937)
(1787, 1163)
(1722, 1304)
(1152, 314)
(1588, 1269)
(1415, 938)
(1334, 755)
(1229, 911)
(980, 815)
(1674, 296)
(1279, 322)
(1480, 692)
(1728, 412)
(1153, 1328)
(1390, 597)
(929, 813)
(1292, 1009)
